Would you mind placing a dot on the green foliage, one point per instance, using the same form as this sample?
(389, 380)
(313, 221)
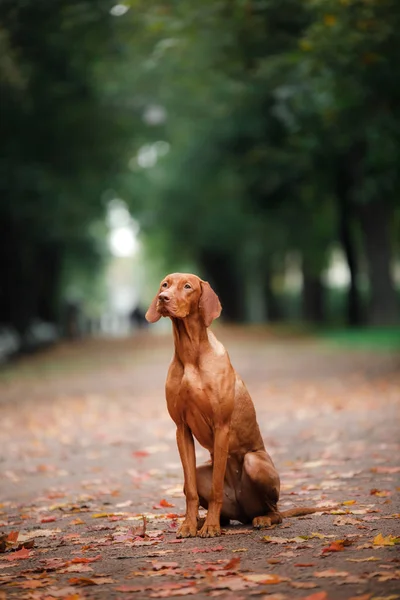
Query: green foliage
(57, 137)
(239, 132)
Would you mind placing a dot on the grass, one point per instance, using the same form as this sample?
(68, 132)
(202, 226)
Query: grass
(364, 338)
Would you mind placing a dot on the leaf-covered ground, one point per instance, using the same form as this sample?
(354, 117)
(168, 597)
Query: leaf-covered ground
(91, 483)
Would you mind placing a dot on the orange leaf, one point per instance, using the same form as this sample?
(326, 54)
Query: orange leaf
(140, 454)
(334, 547)
(316, 596)
(23, 553)
(83, 581)
(233, 563)
(12, 536)
(85, 559)
(166, 504)
(48, 519)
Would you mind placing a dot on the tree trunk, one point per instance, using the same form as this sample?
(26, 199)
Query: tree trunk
(345, 218)
(274, 312)
(313, 298)
(48, 282)
(221, 270)
(375, 218)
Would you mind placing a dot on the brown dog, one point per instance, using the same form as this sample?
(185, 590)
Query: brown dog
(207, 399)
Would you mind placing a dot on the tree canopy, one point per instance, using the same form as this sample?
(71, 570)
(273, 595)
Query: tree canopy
(241, 133)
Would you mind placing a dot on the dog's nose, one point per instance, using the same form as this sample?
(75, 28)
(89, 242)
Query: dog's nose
(164, 297)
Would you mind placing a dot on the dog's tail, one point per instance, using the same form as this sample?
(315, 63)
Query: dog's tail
(301, 512)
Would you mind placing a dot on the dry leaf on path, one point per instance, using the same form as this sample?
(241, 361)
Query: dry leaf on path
(303, 585)
(330, 573)
(19, 554)
(389, 540)
(265, 578)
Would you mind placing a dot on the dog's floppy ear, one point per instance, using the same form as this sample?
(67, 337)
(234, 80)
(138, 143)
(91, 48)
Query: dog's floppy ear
(209, 305)
(152, 315)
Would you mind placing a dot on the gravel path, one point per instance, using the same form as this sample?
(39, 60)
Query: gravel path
(91, 473)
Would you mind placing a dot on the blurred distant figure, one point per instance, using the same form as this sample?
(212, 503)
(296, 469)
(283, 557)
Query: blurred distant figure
(137, 319)
(72, 327)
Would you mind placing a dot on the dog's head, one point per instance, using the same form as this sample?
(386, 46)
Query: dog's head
(181, 295)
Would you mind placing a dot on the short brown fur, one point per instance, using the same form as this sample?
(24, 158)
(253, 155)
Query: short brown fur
(207, 399)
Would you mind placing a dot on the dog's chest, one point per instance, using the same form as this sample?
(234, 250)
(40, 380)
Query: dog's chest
(196, 405)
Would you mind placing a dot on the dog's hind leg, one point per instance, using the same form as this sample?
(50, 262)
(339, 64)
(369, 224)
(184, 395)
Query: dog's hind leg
(230, 507)
(259, 491)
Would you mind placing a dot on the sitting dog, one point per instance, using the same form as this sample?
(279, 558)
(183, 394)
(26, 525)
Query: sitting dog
(207, 399)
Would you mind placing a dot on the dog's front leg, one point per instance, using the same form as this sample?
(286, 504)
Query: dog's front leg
(211, 525)
(185, 443)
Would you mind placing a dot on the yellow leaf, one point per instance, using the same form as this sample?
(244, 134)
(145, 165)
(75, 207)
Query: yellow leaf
(240, 550)
(389, 540)
(349, 502)
(101, 515)
(321, 536)
(330, 20)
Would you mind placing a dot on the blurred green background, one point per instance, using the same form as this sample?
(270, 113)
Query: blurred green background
(254, 142)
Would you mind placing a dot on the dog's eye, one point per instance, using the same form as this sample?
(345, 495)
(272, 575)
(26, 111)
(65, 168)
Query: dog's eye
(164, 285)
(187, 286)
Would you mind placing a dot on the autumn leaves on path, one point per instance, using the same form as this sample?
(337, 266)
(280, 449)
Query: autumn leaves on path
(91, 484)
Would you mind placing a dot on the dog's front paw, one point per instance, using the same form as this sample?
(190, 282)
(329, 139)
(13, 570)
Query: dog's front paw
(187, 529)
(210, 530)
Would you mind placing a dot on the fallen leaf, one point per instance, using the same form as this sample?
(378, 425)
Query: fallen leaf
(233, 564)
(140, 454)
(187, 591)
(32, 584)
(368, 559)
(345, 520)
(303, 585)
(278, 540)
(140, 530)
(36, 533)
(79, 568)
(265, 578)
(233, 583)
(158, 566)
(12, 536)
(389, 540)
(85, 559)
(165, 504)
(20, 554)
(380, 493)
(316, 596)
(390, 470)
(48, 519)
(330, 573)
(86, 581)
(334, 547)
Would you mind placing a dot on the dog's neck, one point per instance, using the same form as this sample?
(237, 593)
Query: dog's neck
(190, 337)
